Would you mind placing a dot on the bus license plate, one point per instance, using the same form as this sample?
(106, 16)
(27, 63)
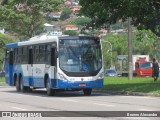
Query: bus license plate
(82, 85)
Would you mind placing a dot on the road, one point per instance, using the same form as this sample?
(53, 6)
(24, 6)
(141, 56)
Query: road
(37, 100)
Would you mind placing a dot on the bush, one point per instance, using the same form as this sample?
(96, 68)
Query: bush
(70, 32)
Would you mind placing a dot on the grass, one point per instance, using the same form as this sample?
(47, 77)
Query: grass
(2, 80)
(137, 84)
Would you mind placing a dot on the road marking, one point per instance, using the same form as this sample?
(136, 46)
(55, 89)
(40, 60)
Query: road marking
(145, 110)
(69, 100)
(104, 104)
(152, 98)
(15, 118)
(19, 108)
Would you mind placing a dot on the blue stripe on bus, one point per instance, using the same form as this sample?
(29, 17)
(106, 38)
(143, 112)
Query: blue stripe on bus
(75, 85)
(12, 45)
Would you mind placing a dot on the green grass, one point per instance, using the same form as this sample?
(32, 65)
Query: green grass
(2, 80)
(137, 84)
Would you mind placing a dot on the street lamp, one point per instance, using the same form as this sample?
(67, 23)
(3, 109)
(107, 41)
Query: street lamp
(110, 50)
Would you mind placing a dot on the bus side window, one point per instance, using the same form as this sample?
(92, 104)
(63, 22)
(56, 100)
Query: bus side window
(30, 58)
(7, 56)
(53, 57)
(47, 54)
(11, 57)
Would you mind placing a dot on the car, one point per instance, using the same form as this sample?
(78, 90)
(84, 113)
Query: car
(111, 72)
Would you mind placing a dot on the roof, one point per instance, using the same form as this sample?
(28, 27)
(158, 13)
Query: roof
(34, 40)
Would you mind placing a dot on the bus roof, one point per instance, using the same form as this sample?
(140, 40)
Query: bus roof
(34, 40)
(45, 39)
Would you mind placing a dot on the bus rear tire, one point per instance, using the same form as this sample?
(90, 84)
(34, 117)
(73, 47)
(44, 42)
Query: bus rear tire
(17, 85)
(87, 91)
(50, 92)
(22, 87)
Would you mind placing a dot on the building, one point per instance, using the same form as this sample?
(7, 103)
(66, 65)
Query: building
(70, 27)
(55, 14)
(2, 30)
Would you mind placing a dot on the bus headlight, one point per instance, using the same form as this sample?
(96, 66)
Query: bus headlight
(62, 77)
(100, 76)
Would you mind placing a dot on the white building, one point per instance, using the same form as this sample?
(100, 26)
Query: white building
(2, 31)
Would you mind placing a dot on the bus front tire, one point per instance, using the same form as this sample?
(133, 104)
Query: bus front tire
(50, 92)
(87, 91)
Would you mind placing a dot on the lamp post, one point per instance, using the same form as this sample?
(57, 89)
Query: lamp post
(110, 50)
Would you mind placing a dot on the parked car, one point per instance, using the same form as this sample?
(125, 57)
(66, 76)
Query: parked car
(111, 72)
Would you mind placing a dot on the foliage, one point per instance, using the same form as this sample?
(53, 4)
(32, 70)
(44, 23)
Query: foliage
(147, 41)
(4, 39)
(82, 21)
(70, 32)
(119, 47)
(145, 14)
(27, 20)
(65, 13)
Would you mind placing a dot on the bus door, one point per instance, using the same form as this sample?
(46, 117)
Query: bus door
(53, 65)
(9, 67)
(30, 66)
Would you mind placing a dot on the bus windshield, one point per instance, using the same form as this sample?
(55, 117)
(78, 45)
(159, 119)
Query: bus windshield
(146, 65)
(80, 55)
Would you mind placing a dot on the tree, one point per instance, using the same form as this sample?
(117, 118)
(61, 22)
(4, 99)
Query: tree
(119, 47)
(145, 14)
(24, 17)
(65, 13)
(81, 21)
(147, 41)
(4, 39)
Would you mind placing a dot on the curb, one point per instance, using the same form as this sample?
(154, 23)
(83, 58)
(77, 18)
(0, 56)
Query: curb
(128, 93)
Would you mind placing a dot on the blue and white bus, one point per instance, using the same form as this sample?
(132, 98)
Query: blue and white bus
(55, 63)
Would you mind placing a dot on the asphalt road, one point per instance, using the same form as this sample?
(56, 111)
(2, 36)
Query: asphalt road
(76, 103)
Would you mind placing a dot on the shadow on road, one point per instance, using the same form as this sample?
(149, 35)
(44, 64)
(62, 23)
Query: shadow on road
(43, 93)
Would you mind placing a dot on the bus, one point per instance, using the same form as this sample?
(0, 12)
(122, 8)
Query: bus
(66, 63)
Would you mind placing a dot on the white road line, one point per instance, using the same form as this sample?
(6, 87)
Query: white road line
(15, 118)
(19, 108)
(145, 110)
(104, 104)
(69, 100)
(142, 97)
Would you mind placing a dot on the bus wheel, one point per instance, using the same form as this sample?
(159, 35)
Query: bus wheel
(17, 85)
(50, 92)
(22, 87)
(87, 91)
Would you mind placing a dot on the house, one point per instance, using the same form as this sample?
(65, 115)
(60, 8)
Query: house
(68, 3)
(22, 7)
(70, 27)
(55, 14)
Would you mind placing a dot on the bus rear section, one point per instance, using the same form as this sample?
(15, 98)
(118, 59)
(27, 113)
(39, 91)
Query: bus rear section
(55, 63)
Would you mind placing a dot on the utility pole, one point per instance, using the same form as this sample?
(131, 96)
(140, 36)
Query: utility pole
(130, 67)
